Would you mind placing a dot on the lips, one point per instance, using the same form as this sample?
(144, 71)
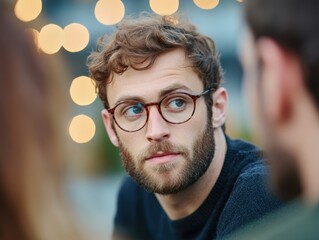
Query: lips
(162, 157)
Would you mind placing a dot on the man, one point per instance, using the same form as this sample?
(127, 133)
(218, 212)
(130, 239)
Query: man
(159, 80)
(280, 55)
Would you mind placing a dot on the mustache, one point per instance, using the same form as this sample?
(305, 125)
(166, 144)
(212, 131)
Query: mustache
(162, 147)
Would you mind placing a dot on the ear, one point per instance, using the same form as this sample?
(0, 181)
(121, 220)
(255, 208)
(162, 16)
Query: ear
(220, 106)
(107, 119)
(276, 74)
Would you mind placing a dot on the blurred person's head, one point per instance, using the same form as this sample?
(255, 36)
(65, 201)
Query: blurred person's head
(31, 197)
(163, 61)
(280, 55)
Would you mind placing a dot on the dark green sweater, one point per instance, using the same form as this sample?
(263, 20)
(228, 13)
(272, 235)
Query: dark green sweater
(239, 196)
(295, 221)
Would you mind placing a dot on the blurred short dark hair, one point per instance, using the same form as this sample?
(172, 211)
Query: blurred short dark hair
(293, 24)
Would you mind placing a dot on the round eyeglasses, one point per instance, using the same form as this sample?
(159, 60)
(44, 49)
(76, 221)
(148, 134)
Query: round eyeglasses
(175, 108)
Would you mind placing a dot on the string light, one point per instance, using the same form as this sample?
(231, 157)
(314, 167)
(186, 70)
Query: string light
(206, 4)
(109, 12)
(50, 38)
(82, 129)
(164, 7)
(75, 37)
(28, 10)
(82, 91)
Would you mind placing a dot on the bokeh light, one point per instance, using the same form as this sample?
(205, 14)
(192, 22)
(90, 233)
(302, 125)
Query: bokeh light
(206, 4)
(35, 35)
(240, 1)
(82, 91)
(109, 12)
(51, 38)
(28, 10)
(164, 7)
(76, 37)
(82, 129)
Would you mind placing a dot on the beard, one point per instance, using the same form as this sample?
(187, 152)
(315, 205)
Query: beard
(285, 178)
(175, 176)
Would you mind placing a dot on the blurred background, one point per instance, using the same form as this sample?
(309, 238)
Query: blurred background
(67, 31)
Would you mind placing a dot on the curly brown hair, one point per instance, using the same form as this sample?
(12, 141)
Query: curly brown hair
(139, 41)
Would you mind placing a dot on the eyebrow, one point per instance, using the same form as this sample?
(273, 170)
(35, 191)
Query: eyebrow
(162, 93)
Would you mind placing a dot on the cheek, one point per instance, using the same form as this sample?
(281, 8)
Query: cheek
(270, 93)
(131, 141)
(190, 130)
(253, 102)
(260, 121)
(257, 120)
(250, 94)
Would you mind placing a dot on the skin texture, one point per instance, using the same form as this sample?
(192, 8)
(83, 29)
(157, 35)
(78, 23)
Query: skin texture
(172, 160)
(286, 119)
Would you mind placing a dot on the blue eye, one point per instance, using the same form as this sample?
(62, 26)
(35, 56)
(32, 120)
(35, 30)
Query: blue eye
(134, 110)
(176, 103)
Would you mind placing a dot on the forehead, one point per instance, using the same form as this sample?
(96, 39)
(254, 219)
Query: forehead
(171, 69)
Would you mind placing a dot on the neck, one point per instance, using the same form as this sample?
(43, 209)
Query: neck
(184, 203)
(306, 149)
(309, 164)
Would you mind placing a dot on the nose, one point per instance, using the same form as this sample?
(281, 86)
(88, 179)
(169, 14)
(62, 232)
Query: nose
(157, 128)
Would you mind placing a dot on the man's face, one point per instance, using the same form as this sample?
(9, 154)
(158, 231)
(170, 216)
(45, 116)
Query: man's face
(285, 179)
(162, 157)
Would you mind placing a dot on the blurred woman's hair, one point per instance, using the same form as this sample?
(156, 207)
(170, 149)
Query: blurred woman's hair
(32, 203)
